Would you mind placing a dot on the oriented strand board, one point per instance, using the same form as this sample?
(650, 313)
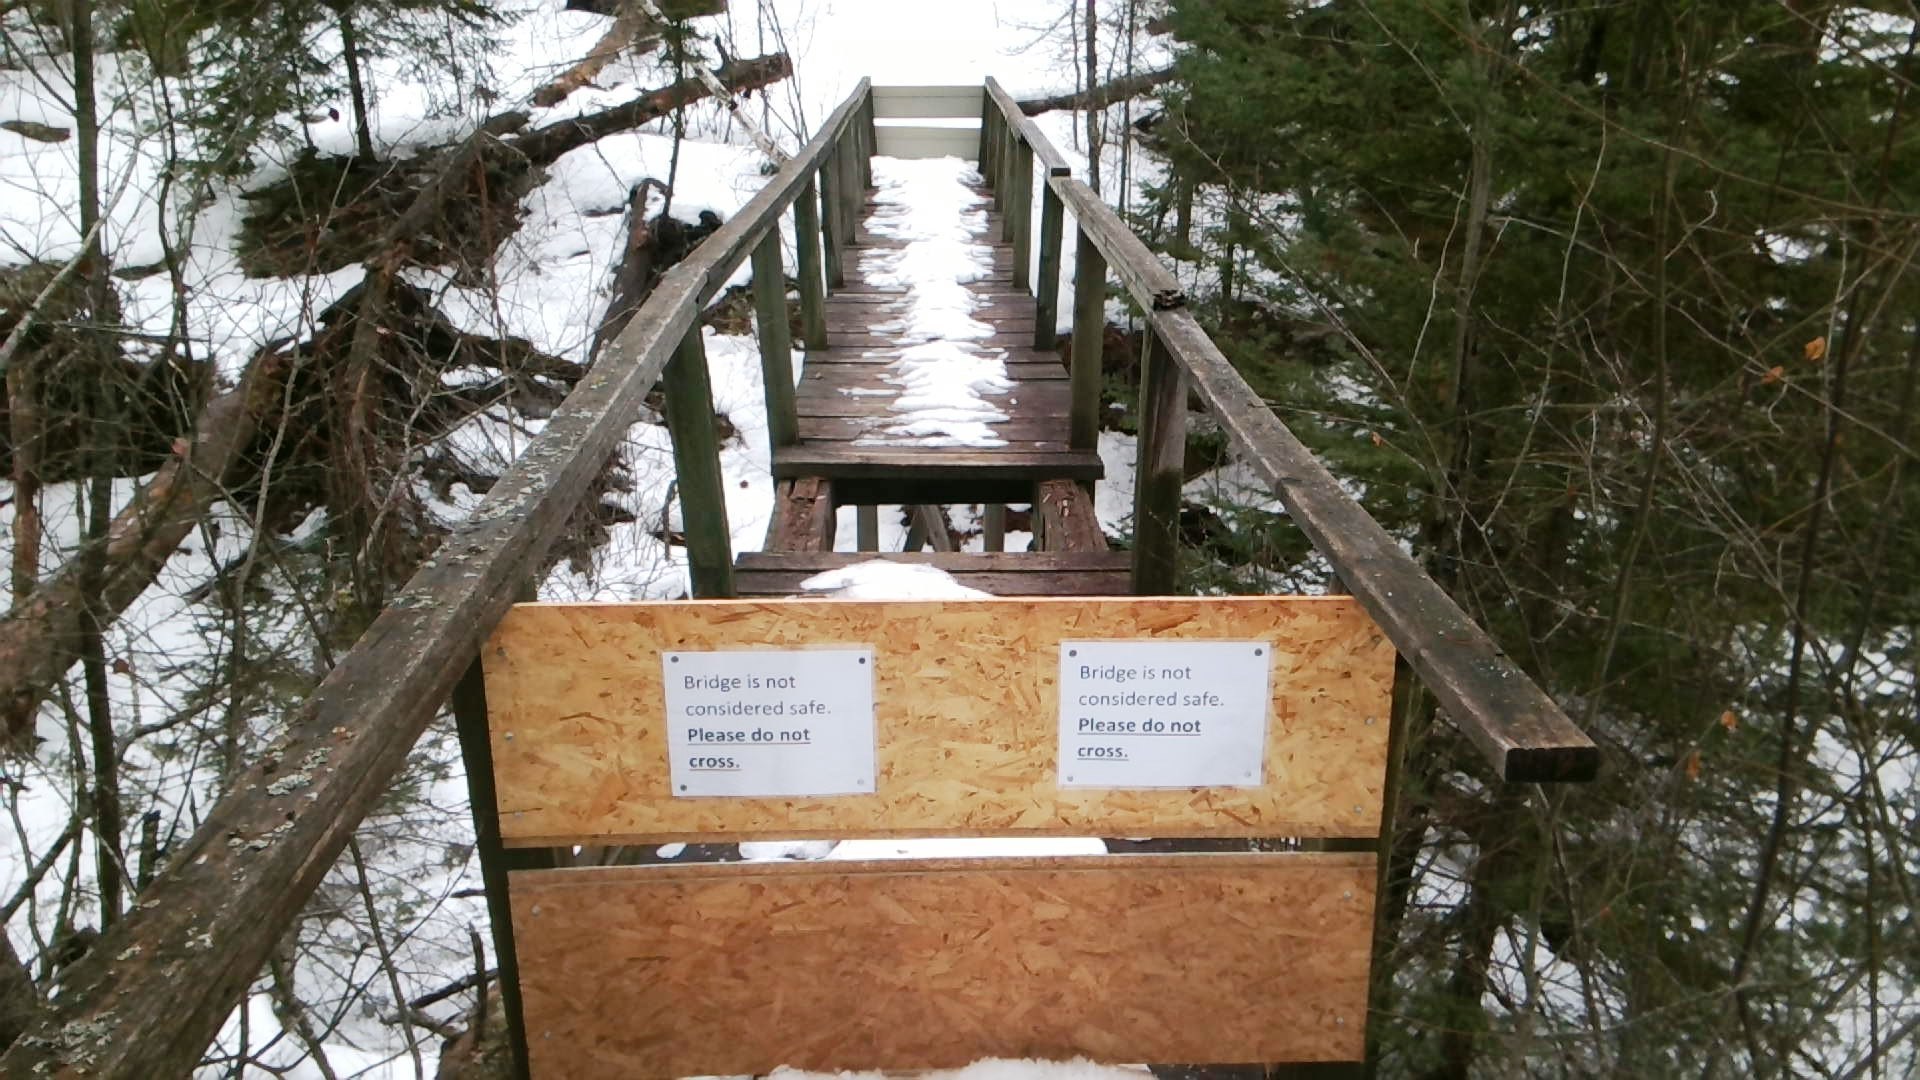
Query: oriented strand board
(736, 969)
(965, 708)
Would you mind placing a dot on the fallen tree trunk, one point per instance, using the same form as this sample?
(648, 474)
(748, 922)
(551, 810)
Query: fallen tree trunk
(632, 29)
(41, 637)
(1101, 96)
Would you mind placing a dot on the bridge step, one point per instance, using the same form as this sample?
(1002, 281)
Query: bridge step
(1027, 573)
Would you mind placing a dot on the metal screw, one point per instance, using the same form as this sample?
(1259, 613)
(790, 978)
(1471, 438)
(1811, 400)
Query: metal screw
(673, 659)
(1259, 652)
(536, 909)
(1348, 894)
(1339, 1021)
(1369, 721)
(1359, 810)
(508, 736)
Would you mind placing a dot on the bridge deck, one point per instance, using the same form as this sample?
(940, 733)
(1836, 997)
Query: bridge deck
(846, 403)
(852, 449)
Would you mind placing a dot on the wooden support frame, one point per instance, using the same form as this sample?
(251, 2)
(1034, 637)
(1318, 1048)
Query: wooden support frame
(1020, 215)
(1119, 959)
(1158, 464)
(1047, 289)
(966, 719)
(813, 289)
(1089, 343)
(832, 209)
(866, 524)
(775, 337)
(993, 527)
(696, 458)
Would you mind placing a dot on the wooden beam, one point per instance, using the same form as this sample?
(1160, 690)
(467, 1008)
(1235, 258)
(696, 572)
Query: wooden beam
(1070, 522)
(1151, 284)
(867, 527)
(1021, 216)
(776, 345)
(696, 459)
(965, 715)
(813, 290)
(926, 102)
(1220, 958)
(1515, 725)
(1009, 110)
(1158, 464)
(1047, 289)
(803, 517)
(1089, 341)
(993, 527)
(832, 208)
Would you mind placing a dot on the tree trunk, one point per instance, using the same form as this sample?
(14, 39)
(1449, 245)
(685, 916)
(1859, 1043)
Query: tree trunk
(1127, 86)
(1094, 113)
(350, 48)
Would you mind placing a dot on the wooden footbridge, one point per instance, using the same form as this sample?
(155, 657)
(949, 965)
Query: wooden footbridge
(1085, 701)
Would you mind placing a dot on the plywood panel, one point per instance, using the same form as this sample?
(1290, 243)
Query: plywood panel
(737, 969)
(965, 715)
(926, 142)
(929, 101)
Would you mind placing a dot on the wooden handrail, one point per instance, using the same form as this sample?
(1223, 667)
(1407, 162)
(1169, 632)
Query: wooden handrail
(1520, 730)
(154, 990)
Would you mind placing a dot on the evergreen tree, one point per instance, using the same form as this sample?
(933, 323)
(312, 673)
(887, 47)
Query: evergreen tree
(1619, 330)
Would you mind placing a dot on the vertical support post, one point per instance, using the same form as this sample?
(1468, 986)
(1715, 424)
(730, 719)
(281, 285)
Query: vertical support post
(985, 157)
(1158, 470)
(1020, 214)
(830, 210)
(866, 521)
(1009, 151)
(869, 142)
(1089, 332)
(813, 292)
(852, 195)
(994, 532)
(696, 457)
(496, 861)
(776, 340)
(1046, 291)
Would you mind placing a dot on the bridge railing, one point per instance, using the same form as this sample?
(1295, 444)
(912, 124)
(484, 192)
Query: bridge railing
(152, 993)
(1519, 729)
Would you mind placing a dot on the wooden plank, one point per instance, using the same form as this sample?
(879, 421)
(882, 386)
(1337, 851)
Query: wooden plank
(965, 714)
(813, 289)
(1070, 522)
(901, 141)
(696, 460)
(1514, 724)
(831, 403)
(776, 345)
(1043, 149)
(964, 562)
(777, 583)
(927, 102)
(1089, 340)
(1158, 471)
(867, 527)
(1047, 289)
(832, 208)
(1022, 216)
(1047, 433)
(1152, 284)
(879, 462)
(1005, 337)
(993, 527)
(803, 518)
(1219, 958)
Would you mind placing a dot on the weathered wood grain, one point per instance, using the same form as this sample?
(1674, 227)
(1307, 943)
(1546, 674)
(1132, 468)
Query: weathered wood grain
(802, 519)
(1069, 523)
(930, 463)
(1220, 958)
(965, 711)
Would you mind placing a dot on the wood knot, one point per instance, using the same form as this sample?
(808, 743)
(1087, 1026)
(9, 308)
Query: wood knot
(1169, 299)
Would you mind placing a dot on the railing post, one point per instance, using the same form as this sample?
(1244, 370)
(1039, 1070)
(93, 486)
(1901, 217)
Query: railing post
(1021, 215)
(1009, 150)
(993, 533)
(1158, 470)
(813, 292)
(851, 193)
(776, 340)
(496, 861)
(870, 139)
(696, 458)
(989, 115)
(866, 527)
(831, 211)
(1089, 330)
(1046, 312)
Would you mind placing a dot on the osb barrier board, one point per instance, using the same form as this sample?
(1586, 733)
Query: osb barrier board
(735, 969)
(965, 714)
